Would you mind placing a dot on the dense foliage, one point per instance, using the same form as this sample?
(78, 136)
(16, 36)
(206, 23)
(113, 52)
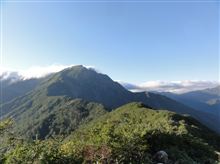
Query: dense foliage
(130, 134)
(56, 116)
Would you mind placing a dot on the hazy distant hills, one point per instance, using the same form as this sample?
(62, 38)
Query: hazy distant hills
(12, 90)
(207, 100)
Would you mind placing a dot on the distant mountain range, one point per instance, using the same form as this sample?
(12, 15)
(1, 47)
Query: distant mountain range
(207, 100)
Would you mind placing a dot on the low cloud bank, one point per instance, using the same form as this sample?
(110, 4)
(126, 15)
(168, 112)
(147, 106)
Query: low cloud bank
(33, 72)
(171, 86)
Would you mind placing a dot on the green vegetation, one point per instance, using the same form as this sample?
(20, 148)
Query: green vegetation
(80, 82)
(61, 119)
(56, 116)
(50, 102)
(129, 134)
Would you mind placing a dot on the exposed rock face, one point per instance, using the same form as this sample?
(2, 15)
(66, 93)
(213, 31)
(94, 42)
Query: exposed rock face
(161, 157)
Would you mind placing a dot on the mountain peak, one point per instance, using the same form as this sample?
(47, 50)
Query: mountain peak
(82, 82)
(75, 68)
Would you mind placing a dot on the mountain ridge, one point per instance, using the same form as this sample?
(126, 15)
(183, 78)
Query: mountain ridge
(87, 84)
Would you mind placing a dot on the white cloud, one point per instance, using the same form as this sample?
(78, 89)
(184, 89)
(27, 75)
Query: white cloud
(10, 76)
(38, 71)
(159, 86)
(171, 86)
(34, 71)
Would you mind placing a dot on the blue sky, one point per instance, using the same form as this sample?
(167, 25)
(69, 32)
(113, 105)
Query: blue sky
(129, 41)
